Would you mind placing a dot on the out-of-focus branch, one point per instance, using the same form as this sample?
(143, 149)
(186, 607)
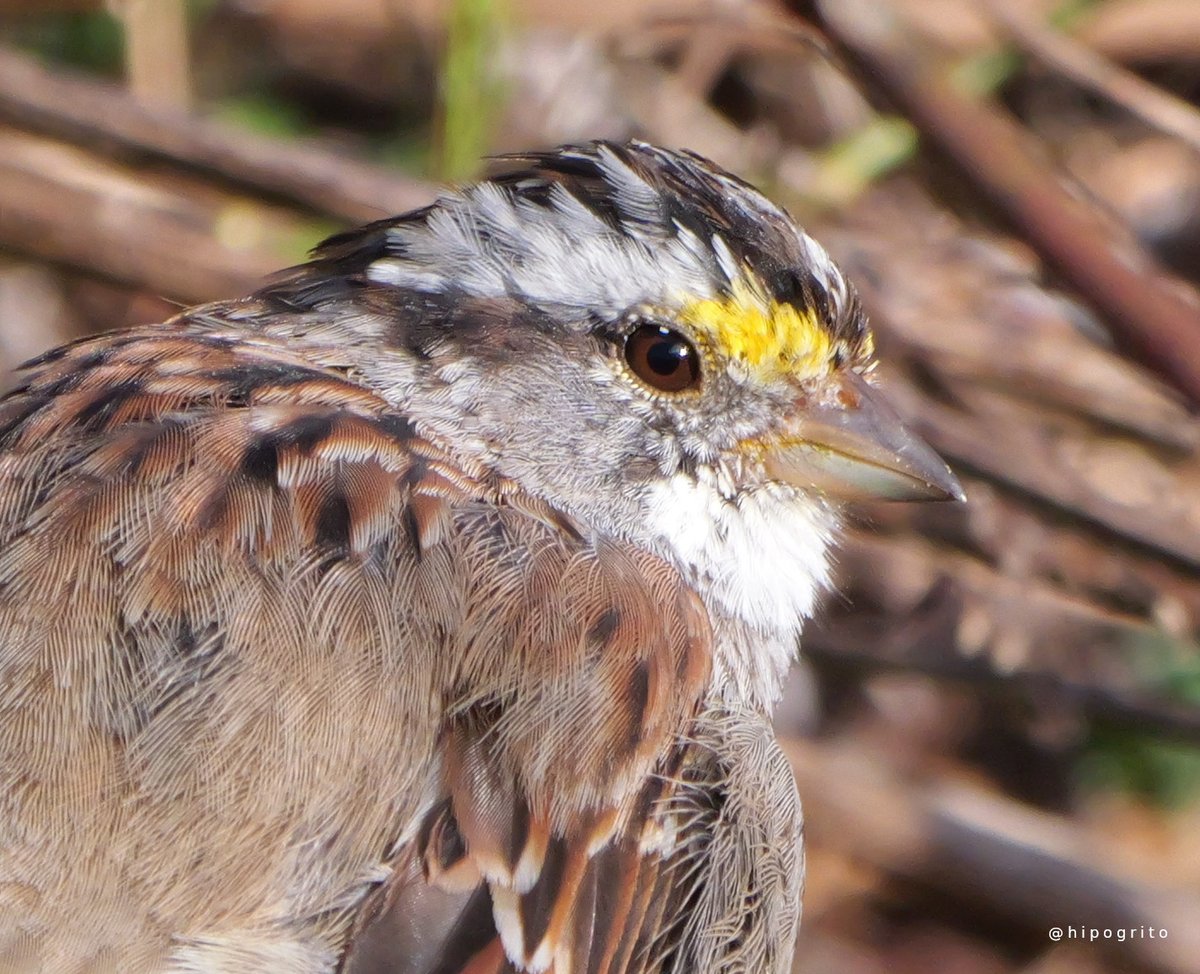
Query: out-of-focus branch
(1023, 866)
(157, 63)
(857, 648)
(1143, 31)
(66, 206)
(998, 374)
(103, 117)
(1159, 108)
(1154, 316)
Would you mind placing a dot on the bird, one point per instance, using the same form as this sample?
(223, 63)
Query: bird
(425, 610)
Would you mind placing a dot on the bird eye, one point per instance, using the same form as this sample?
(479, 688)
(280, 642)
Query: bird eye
(662, 358)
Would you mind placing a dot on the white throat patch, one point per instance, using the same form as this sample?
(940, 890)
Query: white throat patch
(760, 560)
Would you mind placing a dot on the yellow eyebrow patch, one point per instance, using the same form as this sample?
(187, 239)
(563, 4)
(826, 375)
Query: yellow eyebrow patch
(766, 335)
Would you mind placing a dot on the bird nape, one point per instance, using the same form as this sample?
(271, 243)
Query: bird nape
(425, 610)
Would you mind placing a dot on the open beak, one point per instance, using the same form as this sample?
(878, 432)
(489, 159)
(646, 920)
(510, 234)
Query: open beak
(855, 447)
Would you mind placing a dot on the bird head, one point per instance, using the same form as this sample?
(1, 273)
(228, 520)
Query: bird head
(650, 344)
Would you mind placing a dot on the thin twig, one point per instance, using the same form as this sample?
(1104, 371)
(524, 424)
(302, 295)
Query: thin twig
(1152, 314)
(1156, 107)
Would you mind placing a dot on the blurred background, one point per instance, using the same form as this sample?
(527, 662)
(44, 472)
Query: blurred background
(996, 724)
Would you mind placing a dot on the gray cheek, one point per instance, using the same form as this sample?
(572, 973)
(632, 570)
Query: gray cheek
(585, 448)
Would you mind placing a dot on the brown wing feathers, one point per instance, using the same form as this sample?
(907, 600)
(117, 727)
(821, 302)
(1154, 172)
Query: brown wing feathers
(559, 847)
(600, 903)
(250, 540)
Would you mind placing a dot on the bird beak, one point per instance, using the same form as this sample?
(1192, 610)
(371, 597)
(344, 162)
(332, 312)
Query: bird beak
(853, 446)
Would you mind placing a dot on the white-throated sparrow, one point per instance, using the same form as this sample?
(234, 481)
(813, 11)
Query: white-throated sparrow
(424, 611)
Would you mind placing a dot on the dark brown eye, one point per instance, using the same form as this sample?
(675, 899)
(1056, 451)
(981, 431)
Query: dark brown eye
(662, 358)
